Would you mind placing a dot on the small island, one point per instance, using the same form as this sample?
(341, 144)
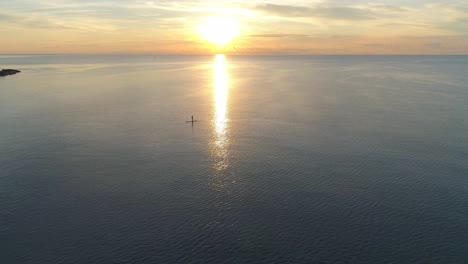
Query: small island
(6, 72)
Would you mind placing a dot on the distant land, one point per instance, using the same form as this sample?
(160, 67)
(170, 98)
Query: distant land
(6, 72)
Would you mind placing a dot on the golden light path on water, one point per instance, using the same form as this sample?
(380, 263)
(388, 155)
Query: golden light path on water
(220, 118)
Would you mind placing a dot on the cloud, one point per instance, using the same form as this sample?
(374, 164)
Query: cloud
(6, 17)
(27, 21)
(387, 8)
(373, 45)
(399, 24)
(277, 35)
(459, 25)
(40, 21)
(434, 45)
(321, 10)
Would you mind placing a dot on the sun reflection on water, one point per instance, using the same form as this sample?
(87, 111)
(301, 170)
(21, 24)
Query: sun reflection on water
(219, 146)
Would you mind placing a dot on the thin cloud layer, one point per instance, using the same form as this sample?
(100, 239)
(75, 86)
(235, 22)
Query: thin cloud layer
(324, 11)
(163, 26)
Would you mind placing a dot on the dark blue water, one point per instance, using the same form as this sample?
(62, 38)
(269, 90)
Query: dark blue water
(318, 159)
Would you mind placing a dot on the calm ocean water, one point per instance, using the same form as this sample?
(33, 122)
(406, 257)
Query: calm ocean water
(312, 159)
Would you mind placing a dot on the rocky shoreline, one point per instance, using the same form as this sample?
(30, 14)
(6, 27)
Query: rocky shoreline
(6, 72)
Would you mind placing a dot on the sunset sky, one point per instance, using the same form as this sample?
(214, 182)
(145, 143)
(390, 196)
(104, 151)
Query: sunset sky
(266, 27)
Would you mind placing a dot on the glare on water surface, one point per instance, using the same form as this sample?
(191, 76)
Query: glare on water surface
(220, 114)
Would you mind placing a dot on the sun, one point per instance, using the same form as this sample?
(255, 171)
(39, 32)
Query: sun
(219, 31)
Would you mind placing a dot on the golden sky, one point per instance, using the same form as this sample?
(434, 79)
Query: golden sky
(266, 27)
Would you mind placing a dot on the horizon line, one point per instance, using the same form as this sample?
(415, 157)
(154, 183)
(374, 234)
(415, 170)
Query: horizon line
(227, 54)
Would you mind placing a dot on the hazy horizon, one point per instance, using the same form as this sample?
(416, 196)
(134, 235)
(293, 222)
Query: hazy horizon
(213, 54)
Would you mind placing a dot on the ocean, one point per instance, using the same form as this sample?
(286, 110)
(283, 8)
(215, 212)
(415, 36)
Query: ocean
(294, 159)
